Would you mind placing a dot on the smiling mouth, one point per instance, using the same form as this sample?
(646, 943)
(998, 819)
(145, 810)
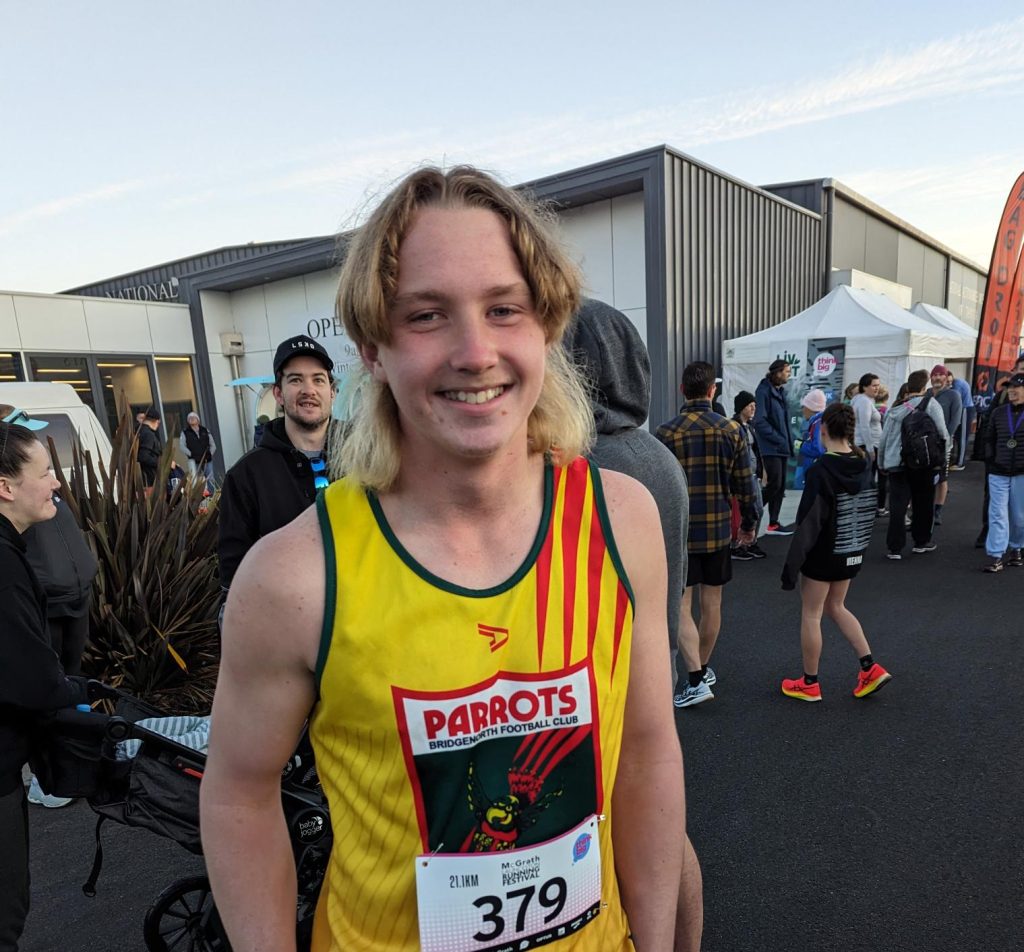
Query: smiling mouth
(473, 396)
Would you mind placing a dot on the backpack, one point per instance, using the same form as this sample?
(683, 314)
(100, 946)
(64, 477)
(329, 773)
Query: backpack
(921, 447)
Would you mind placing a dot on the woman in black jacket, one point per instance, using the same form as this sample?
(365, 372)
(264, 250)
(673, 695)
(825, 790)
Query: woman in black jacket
(834, 522)
(31, 678)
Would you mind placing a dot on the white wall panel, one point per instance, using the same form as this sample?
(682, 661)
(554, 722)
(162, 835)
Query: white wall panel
(118, 327)
(629, 264)
(638, 318)
(249, 308)
(320, 290)
(51, 323)
(170, 327)
(10, 335)
(587, 231)
(217, 318)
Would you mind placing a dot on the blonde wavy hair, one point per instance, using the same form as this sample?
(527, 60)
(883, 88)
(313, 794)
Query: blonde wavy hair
(561, 424)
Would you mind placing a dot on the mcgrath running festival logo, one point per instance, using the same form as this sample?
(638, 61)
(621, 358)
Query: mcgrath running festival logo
(503, 764)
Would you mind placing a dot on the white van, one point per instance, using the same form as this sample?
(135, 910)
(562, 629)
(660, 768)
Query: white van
(67, 418)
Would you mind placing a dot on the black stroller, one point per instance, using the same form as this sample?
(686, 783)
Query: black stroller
(158, 789)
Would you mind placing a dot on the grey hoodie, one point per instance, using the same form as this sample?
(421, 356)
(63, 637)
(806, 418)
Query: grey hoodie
(609, 348)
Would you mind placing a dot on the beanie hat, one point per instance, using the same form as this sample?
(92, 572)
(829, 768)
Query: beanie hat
(743, 399)
(939, 369)
(814, 400)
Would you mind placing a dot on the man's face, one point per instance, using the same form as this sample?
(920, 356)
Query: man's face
(938, 382)
(1015, 395)
(467, 354)
(305, 393)
(747, 413)
(781, 377)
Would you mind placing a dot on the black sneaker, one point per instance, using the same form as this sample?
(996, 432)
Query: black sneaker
(740, 554)
(756, 551)
(927, 547)
(894, 556)
(993, 567)
(1014, 557)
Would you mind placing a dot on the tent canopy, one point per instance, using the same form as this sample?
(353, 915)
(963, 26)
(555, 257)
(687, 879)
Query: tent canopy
(881, 338)
(944, 318)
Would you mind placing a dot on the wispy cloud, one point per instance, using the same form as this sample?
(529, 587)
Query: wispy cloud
(980, 60)
(58, 206)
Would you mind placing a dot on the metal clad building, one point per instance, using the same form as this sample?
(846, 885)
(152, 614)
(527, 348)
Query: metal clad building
(723, 258)
(161, 282)
(738, 260)
(863, 236)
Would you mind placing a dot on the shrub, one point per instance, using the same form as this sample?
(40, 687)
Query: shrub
(156, 594)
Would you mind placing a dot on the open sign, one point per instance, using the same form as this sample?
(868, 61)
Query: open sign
(824, 364)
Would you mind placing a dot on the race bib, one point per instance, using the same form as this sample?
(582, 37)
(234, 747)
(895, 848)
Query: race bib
(510, 900)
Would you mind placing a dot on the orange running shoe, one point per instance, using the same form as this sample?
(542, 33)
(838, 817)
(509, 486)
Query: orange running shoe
(871, 680)
(801, 690)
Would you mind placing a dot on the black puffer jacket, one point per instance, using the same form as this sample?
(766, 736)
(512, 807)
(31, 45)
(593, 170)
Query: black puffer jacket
(1005, 426)
(62, 562)
(263, 491)
(31, 678)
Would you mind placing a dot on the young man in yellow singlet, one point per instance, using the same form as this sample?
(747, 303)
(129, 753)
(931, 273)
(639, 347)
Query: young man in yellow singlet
(474, 616)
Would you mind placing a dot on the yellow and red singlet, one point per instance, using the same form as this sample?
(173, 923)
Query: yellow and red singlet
(462, 721)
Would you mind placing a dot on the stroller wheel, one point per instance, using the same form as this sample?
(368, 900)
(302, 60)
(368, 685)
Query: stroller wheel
(179, 919)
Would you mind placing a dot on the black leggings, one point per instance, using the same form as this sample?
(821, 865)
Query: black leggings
(775, 491)
(13, 867)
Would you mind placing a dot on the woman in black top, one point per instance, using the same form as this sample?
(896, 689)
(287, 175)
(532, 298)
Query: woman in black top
(31, 678)
(834, 522)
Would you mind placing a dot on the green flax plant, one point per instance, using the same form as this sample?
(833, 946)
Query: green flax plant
(156, 595)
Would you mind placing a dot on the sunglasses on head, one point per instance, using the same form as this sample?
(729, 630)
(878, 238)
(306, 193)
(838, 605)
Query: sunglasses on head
(319, 466)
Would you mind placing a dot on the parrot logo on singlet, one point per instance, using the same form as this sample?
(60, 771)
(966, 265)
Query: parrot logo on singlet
(503, 764)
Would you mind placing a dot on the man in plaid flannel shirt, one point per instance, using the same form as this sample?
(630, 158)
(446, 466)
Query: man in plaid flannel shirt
(713, 453)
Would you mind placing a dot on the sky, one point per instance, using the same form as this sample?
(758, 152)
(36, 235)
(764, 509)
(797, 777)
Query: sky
(135, 133)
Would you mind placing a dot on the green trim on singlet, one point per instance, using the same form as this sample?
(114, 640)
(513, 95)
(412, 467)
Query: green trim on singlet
(445, 586)
(330, 587)
(606, 527)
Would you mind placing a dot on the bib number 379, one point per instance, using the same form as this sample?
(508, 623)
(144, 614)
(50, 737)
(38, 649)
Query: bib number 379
(513, 899)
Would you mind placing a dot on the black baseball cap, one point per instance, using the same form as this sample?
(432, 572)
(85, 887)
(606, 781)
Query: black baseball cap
(301, 346)
(1017, 380)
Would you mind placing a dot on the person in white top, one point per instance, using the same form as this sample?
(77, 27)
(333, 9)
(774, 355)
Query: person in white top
(868, 430)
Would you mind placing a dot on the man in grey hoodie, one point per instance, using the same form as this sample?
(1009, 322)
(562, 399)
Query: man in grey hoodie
(618, 367)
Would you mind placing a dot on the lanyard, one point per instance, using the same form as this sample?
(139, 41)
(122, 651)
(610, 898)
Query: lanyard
(1012, 441)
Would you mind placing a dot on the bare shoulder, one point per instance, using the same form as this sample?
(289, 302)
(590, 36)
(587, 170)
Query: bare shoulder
(633, 513)
(276, 601)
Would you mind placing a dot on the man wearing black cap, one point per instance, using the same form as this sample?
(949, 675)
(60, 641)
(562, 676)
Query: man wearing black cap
(275, 481)
(151, 447)
(772, 427)
(745, 407)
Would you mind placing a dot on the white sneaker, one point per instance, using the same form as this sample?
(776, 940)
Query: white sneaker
(710, 678)
(36, 795)
(690, 696)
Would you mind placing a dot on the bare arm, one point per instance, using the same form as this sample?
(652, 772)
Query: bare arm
(264, 693)
(648, 807)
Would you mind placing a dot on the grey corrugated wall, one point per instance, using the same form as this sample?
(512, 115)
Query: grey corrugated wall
(738, 260)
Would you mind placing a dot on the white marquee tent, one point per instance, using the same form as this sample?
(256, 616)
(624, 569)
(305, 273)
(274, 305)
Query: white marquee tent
(944, 318)
(881, 338)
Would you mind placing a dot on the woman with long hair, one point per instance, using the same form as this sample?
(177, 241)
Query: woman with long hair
(834, 522)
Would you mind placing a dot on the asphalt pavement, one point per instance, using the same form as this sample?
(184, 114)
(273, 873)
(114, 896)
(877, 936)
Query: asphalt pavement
(888, 823)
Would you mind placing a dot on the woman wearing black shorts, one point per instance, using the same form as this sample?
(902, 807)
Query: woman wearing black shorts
(834, 522)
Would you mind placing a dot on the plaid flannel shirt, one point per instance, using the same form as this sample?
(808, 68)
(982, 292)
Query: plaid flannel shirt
(713, 453)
